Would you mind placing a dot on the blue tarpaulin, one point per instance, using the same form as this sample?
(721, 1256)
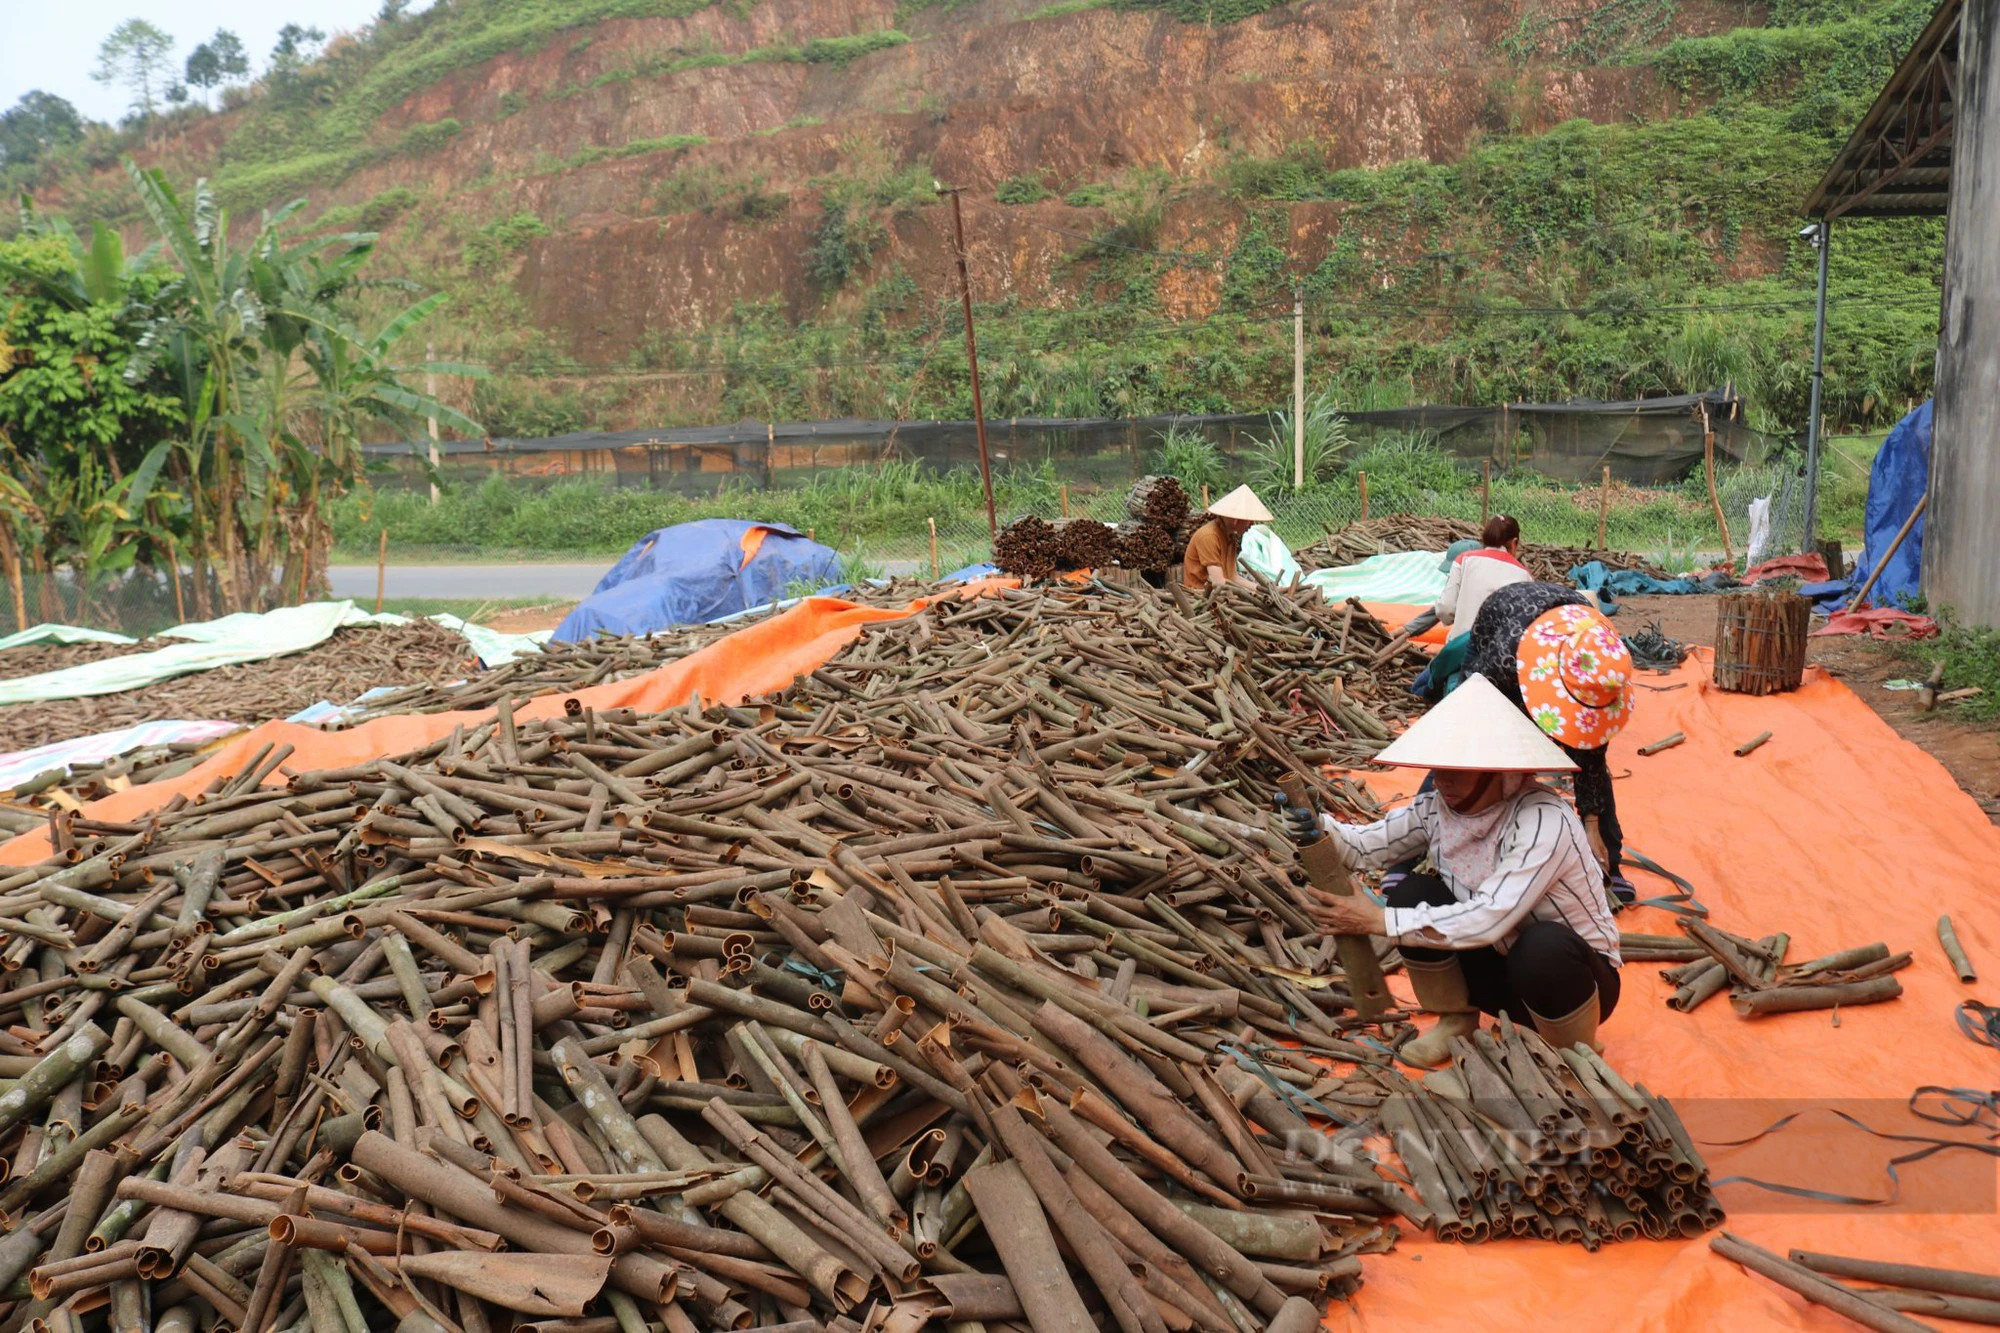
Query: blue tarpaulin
(693, 573)
(1611, 584)
(1901, 475)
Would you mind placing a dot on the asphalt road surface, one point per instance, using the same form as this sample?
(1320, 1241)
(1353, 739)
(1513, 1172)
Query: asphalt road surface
(504, 582)
(499, 582)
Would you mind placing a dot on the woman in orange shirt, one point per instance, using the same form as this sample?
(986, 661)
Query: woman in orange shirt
(1213, 549)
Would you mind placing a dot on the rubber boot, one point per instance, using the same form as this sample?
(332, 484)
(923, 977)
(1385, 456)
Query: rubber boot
(1440, 988)
(1578, 1025)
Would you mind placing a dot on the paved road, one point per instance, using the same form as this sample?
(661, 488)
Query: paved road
(499, 582)
(505, 582)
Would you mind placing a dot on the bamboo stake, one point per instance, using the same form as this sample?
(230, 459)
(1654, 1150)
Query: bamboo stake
(1714, 495)
(1861, 598)
(173, 568)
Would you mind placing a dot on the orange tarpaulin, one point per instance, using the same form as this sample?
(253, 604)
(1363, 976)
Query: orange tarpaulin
(1836, 831)
(1395, 615)
(1841, 833)
(757, 659)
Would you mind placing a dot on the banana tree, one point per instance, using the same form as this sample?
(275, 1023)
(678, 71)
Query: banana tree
(277, 387)
(98, 272)
(206, 339)
(346, 382)
(21, 523)
(81, 516)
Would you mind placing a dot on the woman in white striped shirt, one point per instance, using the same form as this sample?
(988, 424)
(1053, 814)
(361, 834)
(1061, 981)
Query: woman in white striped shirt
(1514, 919)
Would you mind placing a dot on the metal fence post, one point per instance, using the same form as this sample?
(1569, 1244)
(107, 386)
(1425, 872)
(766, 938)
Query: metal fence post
(1823, 240)
(1298, 390)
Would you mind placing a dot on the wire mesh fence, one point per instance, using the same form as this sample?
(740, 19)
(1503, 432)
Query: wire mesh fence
(1678, 528)
(900, 516)
(1647, 442)
(138, 601)
(895, 497)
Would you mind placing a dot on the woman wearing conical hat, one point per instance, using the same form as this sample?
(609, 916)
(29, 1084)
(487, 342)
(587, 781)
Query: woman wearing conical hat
(1513, 920)
(1537, 643)
(1213, 549)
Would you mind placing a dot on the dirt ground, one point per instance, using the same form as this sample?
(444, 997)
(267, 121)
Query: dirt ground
(528, 619)
(1971, 753)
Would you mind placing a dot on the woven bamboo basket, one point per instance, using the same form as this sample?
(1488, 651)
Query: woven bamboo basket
(1760, 641)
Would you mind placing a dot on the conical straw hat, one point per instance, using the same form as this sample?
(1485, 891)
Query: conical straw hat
(1476, 728)
(1241, 503)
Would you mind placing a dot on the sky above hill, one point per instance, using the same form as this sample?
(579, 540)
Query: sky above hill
(52, 44)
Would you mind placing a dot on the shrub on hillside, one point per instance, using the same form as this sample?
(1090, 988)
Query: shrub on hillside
(428, 138)
(1021, 190)
(840, 50)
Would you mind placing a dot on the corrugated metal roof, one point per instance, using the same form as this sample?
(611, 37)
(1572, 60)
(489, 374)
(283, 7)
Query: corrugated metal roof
(1897, 163)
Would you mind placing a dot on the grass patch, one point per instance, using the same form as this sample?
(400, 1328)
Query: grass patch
(1971, 657)
(669, 143)
(319, 132)
(1206, 11)
(429, 137)
(795, 123)
(1017, 190)
(276, 183)
(500, 240)
(474, 609)
(1062, 7)
(872, 177)
(375, 214)
(819, 51)
(709, 189)
(861, 508)
(840, 50)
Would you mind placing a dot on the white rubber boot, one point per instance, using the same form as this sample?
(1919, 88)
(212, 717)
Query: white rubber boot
(1578, 1025)
(1440, 988)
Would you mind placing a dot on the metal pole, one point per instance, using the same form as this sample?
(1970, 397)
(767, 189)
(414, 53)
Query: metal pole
(972, 360)
(430, 391)
(1823, 239)
(1298, 390)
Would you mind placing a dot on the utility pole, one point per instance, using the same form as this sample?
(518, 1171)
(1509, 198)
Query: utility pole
(430, 391)
(972, 360)
(1823, 239)
(1298, 390)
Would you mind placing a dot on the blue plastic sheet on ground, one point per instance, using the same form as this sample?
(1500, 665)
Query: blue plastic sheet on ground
(985, 569)
(693, 573)
(1610, 584)
(1899, 479)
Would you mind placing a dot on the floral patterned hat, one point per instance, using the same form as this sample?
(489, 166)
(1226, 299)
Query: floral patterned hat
(1576, 677)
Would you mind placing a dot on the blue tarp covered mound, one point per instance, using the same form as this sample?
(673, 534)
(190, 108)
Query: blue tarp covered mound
(696, 572)
(1901, 475)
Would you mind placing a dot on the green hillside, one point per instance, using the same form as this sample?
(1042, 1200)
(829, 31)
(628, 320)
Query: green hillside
(1655, 253)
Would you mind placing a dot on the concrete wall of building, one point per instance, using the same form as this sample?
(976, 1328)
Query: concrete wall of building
(1962, 524)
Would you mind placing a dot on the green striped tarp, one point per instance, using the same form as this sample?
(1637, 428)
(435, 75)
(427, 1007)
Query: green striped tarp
(1403, 576)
